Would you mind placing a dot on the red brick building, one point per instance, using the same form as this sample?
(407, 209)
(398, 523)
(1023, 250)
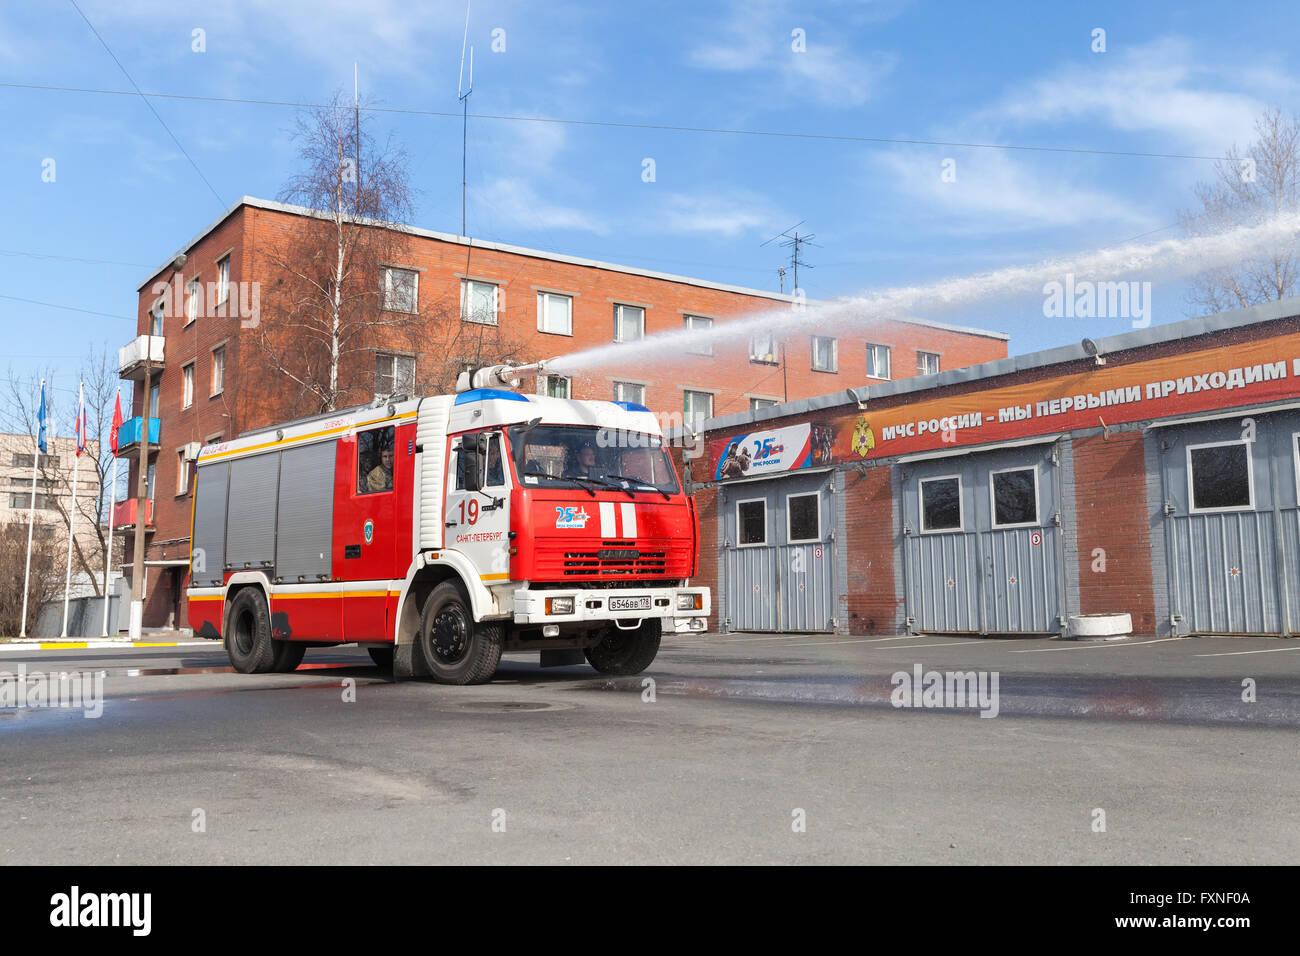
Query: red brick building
(210, 380)
(1155, 477)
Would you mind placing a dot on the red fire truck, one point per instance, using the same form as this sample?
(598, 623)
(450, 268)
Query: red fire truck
(439, 532)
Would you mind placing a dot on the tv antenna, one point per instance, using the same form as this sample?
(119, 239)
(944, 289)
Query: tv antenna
(795, 243)
(462, 94)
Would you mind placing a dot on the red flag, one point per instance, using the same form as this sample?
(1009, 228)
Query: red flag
(117, 423)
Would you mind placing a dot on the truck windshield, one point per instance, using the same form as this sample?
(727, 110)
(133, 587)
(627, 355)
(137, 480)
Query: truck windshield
(580, 455)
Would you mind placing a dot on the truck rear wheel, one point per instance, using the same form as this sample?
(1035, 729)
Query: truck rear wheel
(627, 652)
(248, 633)
(288, 656)
(458, 649)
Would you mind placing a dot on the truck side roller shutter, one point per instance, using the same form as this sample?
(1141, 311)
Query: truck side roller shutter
(250, 528)
(306, 513)
(431, 435)
(209, 540)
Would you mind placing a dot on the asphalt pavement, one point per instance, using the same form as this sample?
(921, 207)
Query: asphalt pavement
(731, 748)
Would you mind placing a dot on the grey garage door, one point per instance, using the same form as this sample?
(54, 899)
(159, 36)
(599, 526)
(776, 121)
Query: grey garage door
(982, 546)
(779, 554)
(1231, 528)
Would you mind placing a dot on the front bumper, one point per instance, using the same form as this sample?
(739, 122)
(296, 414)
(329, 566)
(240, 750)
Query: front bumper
(614, 604)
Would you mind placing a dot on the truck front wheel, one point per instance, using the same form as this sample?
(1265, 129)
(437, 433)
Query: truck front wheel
(627, 652)
(458, 649)
(248, 633)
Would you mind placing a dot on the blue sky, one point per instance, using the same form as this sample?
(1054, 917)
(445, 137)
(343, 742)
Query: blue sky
(1183, 78)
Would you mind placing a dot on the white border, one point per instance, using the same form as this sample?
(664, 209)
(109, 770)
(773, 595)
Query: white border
(1250, 478)
(753, 544)
(993, 503)
(789, 537)
(961, 507)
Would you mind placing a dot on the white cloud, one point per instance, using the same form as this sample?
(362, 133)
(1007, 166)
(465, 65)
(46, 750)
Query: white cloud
(994, 192)
(758, 37)
(516, 203)
(1163, 87)
(714, 214)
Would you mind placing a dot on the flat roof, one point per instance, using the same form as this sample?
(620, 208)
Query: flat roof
(1108, 345)
(536, 254)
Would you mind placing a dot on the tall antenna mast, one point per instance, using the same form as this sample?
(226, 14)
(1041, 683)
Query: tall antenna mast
(356, 108)
(462, 94)
(795, 243)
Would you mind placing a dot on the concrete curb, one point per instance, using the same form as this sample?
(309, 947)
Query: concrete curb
(98, 645)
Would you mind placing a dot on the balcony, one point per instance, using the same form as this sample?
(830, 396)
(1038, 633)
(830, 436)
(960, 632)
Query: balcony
(131, 357)
(124, 514)
(129, 435)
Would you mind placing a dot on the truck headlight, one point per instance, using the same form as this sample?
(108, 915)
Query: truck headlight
(559, 605)
(690, 602)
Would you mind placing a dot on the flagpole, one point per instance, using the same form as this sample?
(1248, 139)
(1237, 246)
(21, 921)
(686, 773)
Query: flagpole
(72, 517)
(31, 519)
(108, 554)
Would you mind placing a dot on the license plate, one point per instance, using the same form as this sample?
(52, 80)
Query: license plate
(630, 603)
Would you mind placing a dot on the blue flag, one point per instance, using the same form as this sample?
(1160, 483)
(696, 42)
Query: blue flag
(40, 437)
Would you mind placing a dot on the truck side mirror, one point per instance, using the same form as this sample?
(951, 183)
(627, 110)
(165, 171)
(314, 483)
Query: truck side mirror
(473, 450)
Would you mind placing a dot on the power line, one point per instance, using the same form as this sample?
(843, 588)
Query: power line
(148, 104)
(780, 134)
(69, 308)
(98, 262)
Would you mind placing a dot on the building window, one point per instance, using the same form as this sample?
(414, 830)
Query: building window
(554, 313)
(28, 461)
(629, 323)
(629, 392)
(698, 323)
(394, 374)
(156, 319)
(153, 400)
(24, 501)
(941, 504)
(803, 516)
(825, 354)
(149, 482)
(927, 363)
(556, 386)
(479, 302)
(223, 280)
(756, 403)
(878, 361)
(193, 292)
(751, 522)
(1015, 497)
(697, 406)
(401, 290)
(182, 473)
(218, 369)
(762, 348)
(1221, 476)
(187, 386)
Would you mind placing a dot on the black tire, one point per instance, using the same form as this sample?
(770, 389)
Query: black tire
(248, 633)
(382, 656)
(627, 652)
(288, 655)
(457, 649)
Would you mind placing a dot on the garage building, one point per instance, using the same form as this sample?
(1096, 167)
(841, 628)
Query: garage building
(1154, 473)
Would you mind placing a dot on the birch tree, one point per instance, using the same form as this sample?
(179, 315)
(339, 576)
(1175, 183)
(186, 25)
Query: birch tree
(1250, 186)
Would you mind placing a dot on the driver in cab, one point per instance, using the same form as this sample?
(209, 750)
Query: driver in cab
(584, 463)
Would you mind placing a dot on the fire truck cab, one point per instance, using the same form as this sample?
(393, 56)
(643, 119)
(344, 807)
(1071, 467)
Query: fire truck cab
(440, 532)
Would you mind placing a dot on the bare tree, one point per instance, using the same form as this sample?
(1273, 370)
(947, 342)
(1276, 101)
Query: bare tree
(94, 513)
(330, 303)
(45, 583)
(1250, 187)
